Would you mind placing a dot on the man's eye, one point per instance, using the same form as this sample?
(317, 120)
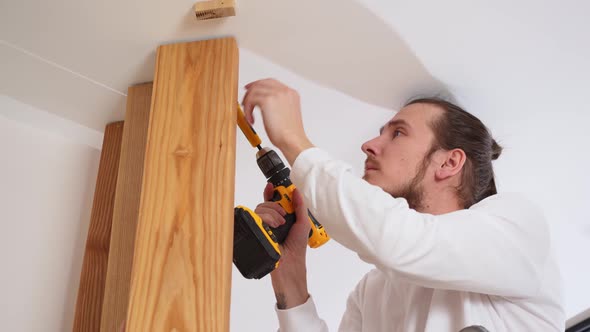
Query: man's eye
(396, 133)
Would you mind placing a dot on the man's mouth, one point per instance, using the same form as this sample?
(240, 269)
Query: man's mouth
(370, 166)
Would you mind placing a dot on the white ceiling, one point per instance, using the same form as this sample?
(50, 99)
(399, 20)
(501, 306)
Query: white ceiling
(77, 58)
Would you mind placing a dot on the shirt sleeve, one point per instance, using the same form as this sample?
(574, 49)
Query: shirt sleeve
(302, 318)
(497, 247)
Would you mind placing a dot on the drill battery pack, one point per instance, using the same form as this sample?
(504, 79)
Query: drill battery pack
(254, 259)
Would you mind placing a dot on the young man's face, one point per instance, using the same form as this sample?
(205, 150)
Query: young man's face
(395, 158)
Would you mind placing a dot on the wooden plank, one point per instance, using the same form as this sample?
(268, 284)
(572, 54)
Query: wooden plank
(206, 10)
(181, 274)
(126, 210)
(94, 266)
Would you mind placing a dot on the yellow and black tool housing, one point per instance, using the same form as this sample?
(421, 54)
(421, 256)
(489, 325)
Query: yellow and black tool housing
(256, 245)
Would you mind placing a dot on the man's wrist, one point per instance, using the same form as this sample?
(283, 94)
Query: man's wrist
(293, 148)
(290, 299)
(289, 292)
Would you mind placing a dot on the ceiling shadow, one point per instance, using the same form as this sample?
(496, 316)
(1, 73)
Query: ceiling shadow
(340, 44)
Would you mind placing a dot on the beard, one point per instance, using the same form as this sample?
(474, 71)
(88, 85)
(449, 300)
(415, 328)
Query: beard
(413, 190)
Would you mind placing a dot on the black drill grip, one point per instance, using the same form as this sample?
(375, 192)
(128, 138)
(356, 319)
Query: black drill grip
(282, 231)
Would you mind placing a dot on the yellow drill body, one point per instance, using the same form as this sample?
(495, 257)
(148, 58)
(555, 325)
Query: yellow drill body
(256, 246)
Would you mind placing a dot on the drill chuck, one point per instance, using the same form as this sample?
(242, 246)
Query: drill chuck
(269, 162)
(273, 168)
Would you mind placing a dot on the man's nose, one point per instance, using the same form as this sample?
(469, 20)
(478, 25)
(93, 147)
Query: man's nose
(370, 147)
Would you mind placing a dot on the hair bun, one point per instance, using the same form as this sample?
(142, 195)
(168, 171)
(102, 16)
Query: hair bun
(496, 150)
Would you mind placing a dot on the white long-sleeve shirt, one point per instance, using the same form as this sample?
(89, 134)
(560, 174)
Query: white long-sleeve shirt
(489, 265)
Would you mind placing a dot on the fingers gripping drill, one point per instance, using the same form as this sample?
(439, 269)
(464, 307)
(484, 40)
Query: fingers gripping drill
(256, 245)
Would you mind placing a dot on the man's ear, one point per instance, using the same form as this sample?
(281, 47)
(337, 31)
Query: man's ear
(451, 164)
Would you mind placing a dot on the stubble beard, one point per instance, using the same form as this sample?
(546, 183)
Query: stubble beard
(413, 191)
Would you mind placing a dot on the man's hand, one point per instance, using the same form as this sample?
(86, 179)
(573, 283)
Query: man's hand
(281, 114)
(289, 280)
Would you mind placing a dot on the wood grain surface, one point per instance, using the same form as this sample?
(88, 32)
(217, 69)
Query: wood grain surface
(126, 210)
(94, 267)
(206, 10)
(181, 276)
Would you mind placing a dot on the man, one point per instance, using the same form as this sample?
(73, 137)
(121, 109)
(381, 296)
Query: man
(448, 251)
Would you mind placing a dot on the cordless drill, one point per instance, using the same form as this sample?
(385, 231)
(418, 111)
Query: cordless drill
(256, 245)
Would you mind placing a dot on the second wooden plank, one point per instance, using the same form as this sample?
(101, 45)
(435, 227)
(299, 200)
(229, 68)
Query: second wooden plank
(126, 211)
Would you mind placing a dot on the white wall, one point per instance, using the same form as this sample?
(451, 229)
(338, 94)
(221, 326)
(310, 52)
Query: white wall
(46, 186)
